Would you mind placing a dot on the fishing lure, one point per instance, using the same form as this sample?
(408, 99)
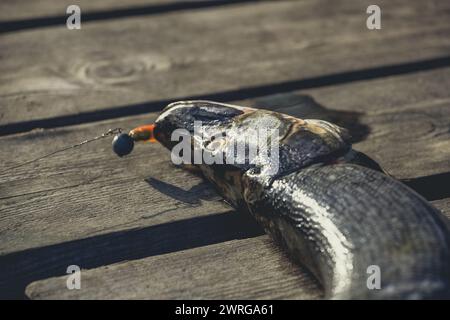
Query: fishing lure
(330, 207)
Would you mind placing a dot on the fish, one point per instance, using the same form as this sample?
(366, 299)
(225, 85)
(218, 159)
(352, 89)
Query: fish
(362, 233)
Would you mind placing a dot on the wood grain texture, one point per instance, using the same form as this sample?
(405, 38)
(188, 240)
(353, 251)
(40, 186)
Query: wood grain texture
(107, 65)
(255, 269)
(88, 206)
(83, 181)
(23, 9)
(90, 190)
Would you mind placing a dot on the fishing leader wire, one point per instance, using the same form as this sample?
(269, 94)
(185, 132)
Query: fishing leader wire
(122, 145)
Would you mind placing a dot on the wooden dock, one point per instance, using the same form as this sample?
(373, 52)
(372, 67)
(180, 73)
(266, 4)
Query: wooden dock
(140, 228)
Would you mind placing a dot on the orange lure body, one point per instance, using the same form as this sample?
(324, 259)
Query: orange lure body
(143, 133)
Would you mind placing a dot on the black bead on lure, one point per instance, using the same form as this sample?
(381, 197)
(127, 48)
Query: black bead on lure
(122, 144)
(330, 207)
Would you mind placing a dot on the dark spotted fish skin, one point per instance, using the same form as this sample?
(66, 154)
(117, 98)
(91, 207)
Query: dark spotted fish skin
(340, 219)
(330, 207)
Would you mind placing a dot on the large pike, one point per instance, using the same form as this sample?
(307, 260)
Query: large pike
(331, 207)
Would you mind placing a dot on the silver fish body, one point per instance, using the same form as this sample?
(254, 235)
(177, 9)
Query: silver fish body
(330, 207)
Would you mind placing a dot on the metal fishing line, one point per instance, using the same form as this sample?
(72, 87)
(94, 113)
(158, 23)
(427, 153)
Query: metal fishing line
(110, 132)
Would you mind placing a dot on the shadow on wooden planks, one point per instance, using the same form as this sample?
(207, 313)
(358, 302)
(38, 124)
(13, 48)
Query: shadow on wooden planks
(231, 95)
(56, 20)
(18, 269)
(193, 196)
(433, 187)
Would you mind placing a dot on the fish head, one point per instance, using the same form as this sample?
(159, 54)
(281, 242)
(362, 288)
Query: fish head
(243, 149)
(184, 115)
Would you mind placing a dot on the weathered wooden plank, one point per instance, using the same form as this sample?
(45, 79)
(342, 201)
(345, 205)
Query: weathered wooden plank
(20, 268)
(255, 269)
(97, 191)
(11, 10)
(109, 64)
(52, 206)
(95, 12)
